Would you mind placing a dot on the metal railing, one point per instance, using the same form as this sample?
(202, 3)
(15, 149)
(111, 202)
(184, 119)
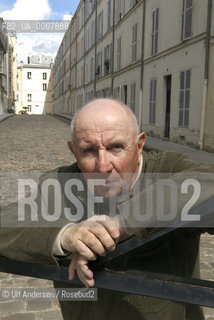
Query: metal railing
(170, 287)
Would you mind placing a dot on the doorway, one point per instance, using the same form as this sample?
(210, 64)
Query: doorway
(125, 94)
(168, 82)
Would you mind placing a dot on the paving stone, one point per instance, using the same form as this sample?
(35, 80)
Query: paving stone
(12, 306)
(49, 315)
(19, 316)
(38, 304)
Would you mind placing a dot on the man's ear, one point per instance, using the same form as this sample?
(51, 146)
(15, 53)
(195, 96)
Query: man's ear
(70, 146)
(141, 142)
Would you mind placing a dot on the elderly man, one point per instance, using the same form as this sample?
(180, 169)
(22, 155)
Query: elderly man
(106, 140)
(107, 145)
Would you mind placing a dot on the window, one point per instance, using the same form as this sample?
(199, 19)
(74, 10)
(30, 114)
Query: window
(100, 25)
(187, 19)
(1, 61)
(29, 97)
(29, 107)
(82, 14)
(44, 76)
(99, 65)
(109, 14)
(133, 89)
(44, 86)
(184, 101)
(92, 69)
(152, 109)
(132, 3)
(134, 43)
(106, 60)
(119, 10)
(86, 72)
(29, 75)
(119, 53)
(87, 40)
(155, 23)
(92, 32)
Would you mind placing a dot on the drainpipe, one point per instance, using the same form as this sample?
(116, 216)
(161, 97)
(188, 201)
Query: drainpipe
(95, 53)
(142, 66)
(112, 53)
(206, 74)
(75, 109)
(84, 94)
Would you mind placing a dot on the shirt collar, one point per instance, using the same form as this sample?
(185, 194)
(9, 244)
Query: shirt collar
(138, 174)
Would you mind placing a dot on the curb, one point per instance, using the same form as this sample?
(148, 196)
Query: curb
(63, 115)
(4, 117)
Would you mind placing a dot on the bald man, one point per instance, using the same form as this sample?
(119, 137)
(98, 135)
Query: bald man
(108, 146)
(105, 140)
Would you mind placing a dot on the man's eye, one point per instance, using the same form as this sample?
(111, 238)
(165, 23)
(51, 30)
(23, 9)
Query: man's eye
(89, 150)
(116, 147)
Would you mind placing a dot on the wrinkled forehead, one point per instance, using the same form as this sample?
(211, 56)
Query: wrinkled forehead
(108, 116)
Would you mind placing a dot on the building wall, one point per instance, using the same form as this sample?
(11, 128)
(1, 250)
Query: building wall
(11, 71)
(172, 49)
(33, 88)
(3, 69)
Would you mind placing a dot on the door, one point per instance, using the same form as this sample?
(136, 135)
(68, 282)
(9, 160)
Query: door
(125, 94)
(168, 81)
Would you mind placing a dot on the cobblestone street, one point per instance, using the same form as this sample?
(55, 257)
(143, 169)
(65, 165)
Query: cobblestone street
(39, 143)
(31, 143)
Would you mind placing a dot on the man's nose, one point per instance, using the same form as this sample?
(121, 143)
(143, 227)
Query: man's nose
(104, 163)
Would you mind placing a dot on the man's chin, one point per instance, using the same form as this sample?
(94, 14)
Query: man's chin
(108, 193)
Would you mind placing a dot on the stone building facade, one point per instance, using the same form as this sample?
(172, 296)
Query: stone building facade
(33, 85)
(3, 68)
(157, 56)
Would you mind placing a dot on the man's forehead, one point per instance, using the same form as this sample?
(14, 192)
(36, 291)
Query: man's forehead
(101, 110)
(105, 137)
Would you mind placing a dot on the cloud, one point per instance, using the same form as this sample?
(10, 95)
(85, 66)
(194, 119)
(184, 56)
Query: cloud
(67, 17)
(28, 10)
(47, 46)
(44, 44)
(39, 43)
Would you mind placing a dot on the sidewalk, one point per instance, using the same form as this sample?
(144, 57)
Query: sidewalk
(163, 145)
(5, 116)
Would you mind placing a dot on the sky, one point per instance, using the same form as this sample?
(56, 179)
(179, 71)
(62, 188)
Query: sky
(37, 43)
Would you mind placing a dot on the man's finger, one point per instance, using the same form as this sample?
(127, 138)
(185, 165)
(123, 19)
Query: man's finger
(72, 268)
(111, 225)
(84, 250)
(84, 273)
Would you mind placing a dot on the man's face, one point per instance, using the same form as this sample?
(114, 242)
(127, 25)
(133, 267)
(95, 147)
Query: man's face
(106, 147)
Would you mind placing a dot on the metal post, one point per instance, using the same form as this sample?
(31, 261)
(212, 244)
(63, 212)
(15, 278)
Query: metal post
(206, 75)
(112, 53)
(142, 66)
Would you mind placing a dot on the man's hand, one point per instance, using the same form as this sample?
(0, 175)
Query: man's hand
(79, 264)
(92, 236)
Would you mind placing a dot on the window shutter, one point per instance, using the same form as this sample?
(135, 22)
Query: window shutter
(187, 19)
(109, 14)
(155, 25)
(153, 91)
(110, 58)
(101, 24)
(184, 99)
